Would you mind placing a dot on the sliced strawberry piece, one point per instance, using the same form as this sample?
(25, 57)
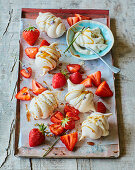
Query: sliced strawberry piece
(26, 72)
(96, 78)
(56, 129)
(44, 43)
(70, 140)
(31, 52)
(82, 17)
(37, 88)
(76, 78)
(68, 123)
(68, 108)
(72, 20)
(101, 107)
(104, 90)
(23, 94)
(57, 117)
(72, 115)
(72, 68)
(87, 82)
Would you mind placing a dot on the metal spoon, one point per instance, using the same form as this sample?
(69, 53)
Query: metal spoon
(112, 68)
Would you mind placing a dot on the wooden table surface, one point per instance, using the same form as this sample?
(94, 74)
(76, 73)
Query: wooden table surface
(122, 15)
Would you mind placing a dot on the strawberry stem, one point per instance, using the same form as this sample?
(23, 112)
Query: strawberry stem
(42, 127)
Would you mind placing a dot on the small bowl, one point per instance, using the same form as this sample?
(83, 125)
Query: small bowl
(105, 31)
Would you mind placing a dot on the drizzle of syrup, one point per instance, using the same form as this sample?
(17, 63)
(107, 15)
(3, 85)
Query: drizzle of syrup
(28, 114)
(91, 143)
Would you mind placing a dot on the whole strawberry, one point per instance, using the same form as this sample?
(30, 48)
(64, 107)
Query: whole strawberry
(37, 136)
(30, 35)
(59, 80)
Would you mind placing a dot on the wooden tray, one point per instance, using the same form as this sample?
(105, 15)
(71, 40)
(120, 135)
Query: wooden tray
(96, 151)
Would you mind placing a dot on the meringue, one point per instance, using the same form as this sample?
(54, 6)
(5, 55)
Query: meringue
(50, 24)
(95, 126)
(43, 105)
(90, 38)
(47, 58)
(79, 98)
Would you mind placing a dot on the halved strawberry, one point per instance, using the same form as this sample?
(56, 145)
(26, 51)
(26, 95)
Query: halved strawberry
(101, 107)
(70, 140)
(69, 108)
(23, 94)
(44, 43)
(56, 129)
(96, 78)
(72, 68)
(72, 20)
(82, 17)
(104, 90)
(87, 82)
(73, 116)
(68, 123)
(37, 88)
(31, 52)
(26, 72)
(57, 117)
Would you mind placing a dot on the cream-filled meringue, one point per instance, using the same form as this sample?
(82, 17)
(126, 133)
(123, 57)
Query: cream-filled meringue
(47, 58)
(43, 105)
(79, 98)
(95, 126)
(50, 24)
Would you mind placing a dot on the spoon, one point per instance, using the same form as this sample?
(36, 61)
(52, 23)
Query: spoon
(111, 67)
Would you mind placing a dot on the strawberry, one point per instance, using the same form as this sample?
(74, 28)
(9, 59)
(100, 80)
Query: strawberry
(26, 72)
(96, 78)
(23, 94)
(59, 80)
(72, 68)
(87, 82)
(56, 129)
(72, 115)
(104, 90)
(57, 117)
(37, 136)
(72, 20)
(31, 52)
(76, 78)
(37, 88)
(68, 123)
(30, 35)
(68, 108)
(70, 140)
(44, 43)
(81, 17)
(101, 107)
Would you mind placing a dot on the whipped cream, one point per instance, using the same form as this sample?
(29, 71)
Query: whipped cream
(95, 126)
(43, 105)
(90, 38)
(47, 58)
(50, 24)
(79, 98)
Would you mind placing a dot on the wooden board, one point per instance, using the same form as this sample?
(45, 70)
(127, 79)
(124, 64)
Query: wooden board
(99, 151)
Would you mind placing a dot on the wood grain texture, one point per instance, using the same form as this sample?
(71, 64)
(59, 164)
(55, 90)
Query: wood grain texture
(122, 25)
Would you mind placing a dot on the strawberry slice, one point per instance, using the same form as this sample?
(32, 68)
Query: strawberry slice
(68, 108)
(70, 140)
(72, 20)
(82, 17)
(37, 88)
(87, 82)
(44, 43)
(96, 78)
(23, 94)
(31, 52)
(26, 72)
(73, 116)
(57, 117)
(56, 129)
(104, 90)
(101, 107)
(72, 68)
